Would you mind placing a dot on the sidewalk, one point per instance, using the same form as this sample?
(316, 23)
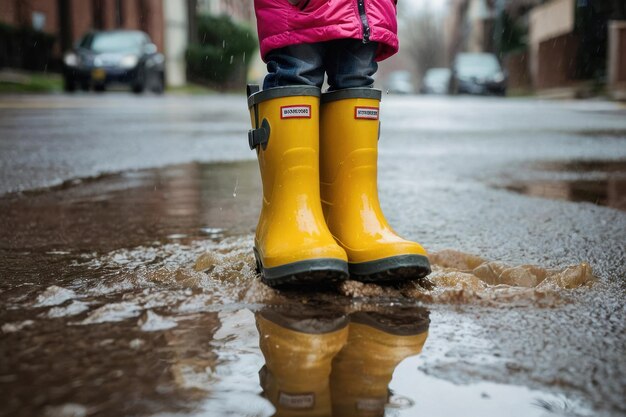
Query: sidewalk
(20, 81)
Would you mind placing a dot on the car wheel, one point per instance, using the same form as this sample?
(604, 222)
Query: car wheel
(140, 82)
(453, 87)
(158, 86)
(84, 86)
(69, 84)
(138, 88)
(99, 88)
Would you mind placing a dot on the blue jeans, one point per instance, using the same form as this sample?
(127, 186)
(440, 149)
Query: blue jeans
(348, 63)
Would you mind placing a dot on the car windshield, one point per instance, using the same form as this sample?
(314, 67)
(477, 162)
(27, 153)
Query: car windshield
(114, 42)
(477, 65)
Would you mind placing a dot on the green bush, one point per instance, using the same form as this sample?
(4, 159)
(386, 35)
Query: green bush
(25, 48)
(7, 45)
(222, 54)
(514, 36)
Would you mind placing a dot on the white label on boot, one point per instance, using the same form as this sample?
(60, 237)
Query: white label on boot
(370, 404)
(370, 113)
(301, 111)
(297, 401)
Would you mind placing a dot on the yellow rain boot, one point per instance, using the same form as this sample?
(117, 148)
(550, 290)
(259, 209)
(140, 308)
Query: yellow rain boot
(298, 355)
(349, 129)
(377, 343)
(292, 244)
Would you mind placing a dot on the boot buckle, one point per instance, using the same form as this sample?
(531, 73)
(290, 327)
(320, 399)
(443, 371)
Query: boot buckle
(259, 136)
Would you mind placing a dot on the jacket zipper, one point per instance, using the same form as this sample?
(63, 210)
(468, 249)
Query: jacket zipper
(364, 23)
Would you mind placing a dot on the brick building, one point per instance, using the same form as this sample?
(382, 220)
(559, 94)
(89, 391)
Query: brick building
(568, 41)
(68, 20)
(242, 10)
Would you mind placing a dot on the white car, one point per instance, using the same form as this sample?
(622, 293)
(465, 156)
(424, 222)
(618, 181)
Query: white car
(399, 82)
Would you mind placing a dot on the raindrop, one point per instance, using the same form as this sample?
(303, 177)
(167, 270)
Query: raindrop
(224, 43)
(231, 59)
(244, 57)
(235, 190)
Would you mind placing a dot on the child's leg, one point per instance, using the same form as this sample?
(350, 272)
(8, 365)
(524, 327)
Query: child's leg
(295, 65)
(350, 64)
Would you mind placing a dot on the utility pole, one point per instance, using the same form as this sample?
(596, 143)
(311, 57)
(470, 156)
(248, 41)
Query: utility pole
(176, 15)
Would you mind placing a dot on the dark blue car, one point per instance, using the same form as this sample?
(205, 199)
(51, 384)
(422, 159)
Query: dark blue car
(114, 57)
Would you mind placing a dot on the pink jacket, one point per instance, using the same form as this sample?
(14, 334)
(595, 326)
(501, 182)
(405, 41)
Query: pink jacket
(282, 23)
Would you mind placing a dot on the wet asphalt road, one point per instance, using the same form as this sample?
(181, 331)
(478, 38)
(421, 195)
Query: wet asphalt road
(108, 202)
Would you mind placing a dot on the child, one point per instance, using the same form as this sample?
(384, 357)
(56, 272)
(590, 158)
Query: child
(321, 219)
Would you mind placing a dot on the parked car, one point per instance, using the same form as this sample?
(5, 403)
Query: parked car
(436, 81)
(478, 73)
(399, 82)
(114, 57)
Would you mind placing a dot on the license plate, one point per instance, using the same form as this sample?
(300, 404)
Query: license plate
(98, 74)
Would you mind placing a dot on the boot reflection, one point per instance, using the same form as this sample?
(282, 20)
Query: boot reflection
(377, 343)
(299, 348)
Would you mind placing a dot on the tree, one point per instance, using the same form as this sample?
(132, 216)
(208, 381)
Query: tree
(423, 39)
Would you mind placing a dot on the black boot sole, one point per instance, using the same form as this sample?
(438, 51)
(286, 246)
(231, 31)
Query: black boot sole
(395, 269)
(310, 273)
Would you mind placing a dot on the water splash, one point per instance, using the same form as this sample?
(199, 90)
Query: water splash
(53, 296)
(205, 276)
(464, 278)
(153, 322)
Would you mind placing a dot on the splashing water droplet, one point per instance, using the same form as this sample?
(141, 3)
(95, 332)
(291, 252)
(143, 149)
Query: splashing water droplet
(235, 190)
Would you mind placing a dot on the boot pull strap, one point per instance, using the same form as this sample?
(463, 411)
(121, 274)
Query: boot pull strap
(259, 136)
(252, 88)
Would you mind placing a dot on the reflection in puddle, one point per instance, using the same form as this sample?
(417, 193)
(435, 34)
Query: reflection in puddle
(325, 361)
(335, 364)
(601, 183)
(175, 203)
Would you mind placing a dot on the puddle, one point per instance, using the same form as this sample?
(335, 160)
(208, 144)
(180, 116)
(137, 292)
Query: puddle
(597, 182)
(213, 339)
(176, 203)
(605, 133)
(135, 294)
